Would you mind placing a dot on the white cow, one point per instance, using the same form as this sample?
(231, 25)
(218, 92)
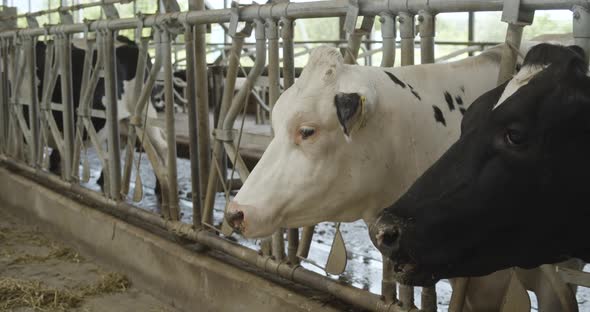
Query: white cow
(394, 123)
(349, 140)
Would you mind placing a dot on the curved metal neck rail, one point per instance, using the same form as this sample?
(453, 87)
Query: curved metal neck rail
(304, 10)
(74, 7)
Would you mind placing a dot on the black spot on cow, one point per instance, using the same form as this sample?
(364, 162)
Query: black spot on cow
(414, 92)
(348, 107)
(462, 110)
(395, 79)
(438, 115)
(459, 100)
(449, 100)
(462, 89)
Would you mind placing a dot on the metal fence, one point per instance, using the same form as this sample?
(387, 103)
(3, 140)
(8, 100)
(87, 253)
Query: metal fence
(24, 140)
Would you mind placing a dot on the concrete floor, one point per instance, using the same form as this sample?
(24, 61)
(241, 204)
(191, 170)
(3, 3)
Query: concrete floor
(29, 256)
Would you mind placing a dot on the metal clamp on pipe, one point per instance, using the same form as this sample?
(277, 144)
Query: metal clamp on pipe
(31, 21)
(224, 135)
(426, 28)
(517, 18)
(407, 34)
(64, 16)
(581, 28)
(388, 33)
(110, 11)
(355, 34)
(234, 19)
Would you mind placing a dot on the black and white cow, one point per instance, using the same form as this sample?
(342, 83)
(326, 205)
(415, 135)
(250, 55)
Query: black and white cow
(159, 97)
(126, 55)
(513, 190)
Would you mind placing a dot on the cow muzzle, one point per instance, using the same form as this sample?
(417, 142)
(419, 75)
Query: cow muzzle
(234, 216)
(385, 236)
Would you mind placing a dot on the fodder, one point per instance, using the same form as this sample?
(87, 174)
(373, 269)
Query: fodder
(109, 283)
(15, 293)
(61, 253)
(33, 294)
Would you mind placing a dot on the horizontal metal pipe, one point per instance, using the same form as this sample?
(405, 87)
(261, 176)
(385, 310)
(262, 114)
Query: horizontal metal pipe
(150, 221)
(305, 10)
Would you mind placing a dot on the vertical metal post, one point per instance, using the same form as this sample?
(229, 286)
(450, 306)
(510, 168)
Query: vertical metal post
(230, 84)
(388, 284)
(388, 32)
(508, 63)
(272, 34)
(112, 123)
(288, 53)
(428, 299)
(288, 81)
(142, 45)
(352, 50)
(203, 131)
(516, 18)
(581, 27)
(306, 236)
(67, 98)
(196, 74)
(407, 34)
(471, 29)
(426, 25)
(34, 108)
(170, 128)
(406, 296)
(192, 124)
(3, 96)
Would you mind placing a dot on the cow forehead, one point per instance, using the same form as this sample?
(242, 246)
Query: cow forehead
(521, 79)
(304, 104)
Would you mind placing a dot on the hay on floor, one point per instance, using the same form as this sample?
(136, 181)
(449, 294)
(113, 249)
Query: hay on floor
(15, 293)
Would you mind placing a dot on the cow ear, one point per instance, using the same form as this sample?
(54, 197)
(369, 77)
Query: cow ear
(351, 109)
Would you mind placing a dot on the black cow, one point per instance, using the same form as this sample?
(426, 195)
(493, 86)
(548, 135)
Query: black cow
(126, 55)
(512, 191)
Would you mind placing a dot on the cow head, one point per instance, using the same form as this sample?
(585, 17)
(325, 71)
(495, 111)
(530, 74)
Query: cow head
(512, 191)
(306, 175)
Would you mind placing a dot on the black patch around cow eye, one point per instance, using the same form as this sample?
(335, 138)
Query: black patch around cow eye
(306, 132)
(449, 100)
(395, 79)
(438, 115)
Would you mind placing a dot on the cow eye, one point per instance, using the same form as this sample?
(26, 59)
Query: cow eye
(306, 132)
(514, 137)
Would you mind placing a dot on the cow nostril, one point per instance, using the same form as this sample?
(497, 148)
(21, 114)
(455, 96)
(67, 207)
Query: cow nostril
(389, 238)
(235, 219)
